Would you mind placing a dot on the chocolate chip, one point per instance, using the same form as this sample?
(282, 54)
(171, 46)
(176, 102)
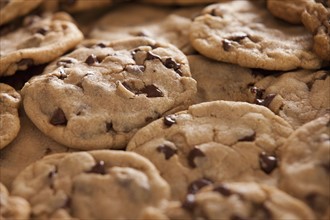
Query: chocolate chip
(64, 62)
(52, 173)
(109, 126)
(251, 137)
(223, 190)
(167, 151)
(91, 59)
(226, 44)
(152, 56)
(238, 37)
(195, 186)
(196, 152)
(213, 12)
(169, 120)
(257, 91)
(42, 31)
(135, 69)
(62, 75)
(267, 162)
(98, 168)
(171, 64)
(101, 45)
(25, 62)
(266, 101)
(58, 118)
(152, 91)
(189, 203)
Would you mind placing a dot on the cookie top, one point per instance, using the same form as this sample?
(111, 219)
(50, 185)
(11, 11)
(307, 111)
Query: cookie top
(244, 33)
(239, 139)
(13, 207)
(98, 97)
(159, 23)
(10, 123)
(100, 184)
(221, 81)
(298, 96)
(316, 19)
(239, 200)
(11, 9)
(305, 165)
(37, 42)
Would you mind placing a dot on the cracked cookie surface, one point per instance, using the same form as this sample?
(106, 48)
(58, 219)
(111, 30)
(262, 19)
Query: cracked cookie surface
(244, 33)
(98, 97)
(218, 141)
(100, 184)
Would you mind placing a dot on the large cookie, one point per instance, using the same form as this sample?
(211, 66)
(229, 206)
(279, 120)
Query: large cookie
(298, 96)
(221, 81)
(316, 19)
(98, 97)
(159, 23)
(238, 200)
(11, 9)
(217, 141)
(9, 120)
(305, 165)
(12, 207)
(100, 184)
(244, 33)
(37, 42)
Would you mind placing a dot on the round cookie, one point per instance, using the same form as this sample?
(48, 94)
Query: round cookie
(298, 96)
(305, 165)
(98, 97)
(10, 123)
(100, 184)
(238, 200)
(159, 23)
(217, 141)
(12, 207)
(316, 19)
(11, 9)
(221, 81)
(243, 33)
(37, 42)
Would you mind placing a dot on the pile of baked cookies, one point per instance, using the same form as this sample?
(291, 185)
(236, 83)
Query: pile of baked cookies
(165, 109)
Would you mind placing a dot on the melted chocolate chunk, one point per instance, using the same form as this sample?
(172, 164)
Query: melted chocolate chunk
(42, 31)
(196, 152)
(226, 44)
(58, 118)
(25, 62)
(152, 56)
(109, 126)
(63, 62)
(223, 190)
(98, 168)
(189, 203)
(171, 64)
(251, 137)
(195, 186)
(267, 162)
(257, 91)
(169, 120)
(167, 151)
(266, 101)
(102, 45)
(91, 59)
(152, 91)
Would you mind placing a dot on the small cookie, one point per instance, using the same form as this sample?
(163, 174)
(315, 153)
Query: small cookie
(243, 33)
(316, 19)
(305, 165)
(11, 9)
(179, 2)
(238, 200)
(217, 141)
(298, 96)
(100, 184)
(289, 11)
(221, 81)
(12, 207)
(37, 42)
(98, 97)
(159, 23)
(10, 123)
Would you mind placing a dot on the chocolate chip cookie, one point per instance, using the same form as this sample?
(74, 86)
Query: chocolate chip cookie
(10, 123)
(316, 19)
(221, 81)
(98, 97)
(37, 42)
(12, 207)
(305, 165)
(100, 184)
(217, 141)
(11, 9)
(244, 33)
(238, 200)
(298, 96)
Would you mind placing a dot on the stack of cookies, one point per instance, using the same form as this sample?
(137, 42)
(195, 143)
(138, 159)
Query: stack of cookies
(165, 109)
